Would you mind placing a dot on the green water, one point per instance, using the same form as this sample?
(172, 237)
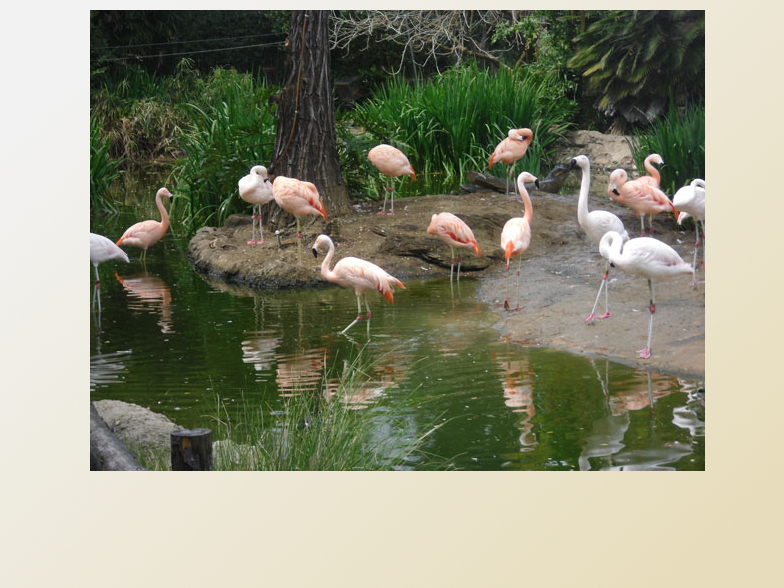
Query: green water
(169, 340)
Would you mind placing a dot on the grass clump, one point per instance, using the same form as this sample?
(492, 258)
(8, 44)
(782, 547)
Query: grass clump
(679, 138)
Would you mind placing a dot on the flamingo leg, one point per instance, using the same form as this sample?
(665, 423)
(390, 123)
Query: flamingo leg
(517, 282)
(605, 287)
(508, 276)
(359, 315)
(261, 234)
(299, 241)
(452, 262)
(646, 353)
(459, 261)
(252, 225)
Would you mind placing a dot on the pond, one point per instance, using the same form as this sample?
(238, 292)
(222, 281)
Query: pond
(170, 340)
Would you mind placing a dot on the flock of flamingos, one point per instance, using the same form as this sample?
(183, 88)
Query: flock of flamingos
(644, 256)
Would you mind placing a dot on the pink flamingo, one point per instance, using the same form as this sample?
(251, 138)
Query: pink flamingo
(639, 195)
(646, 257)
(690, 200)
(595, 224)
(298, 198)
(352, 272)
(392, 163)
(146, 233)
(516, 234)
(511, 149)
(256, 189)
(455, 233)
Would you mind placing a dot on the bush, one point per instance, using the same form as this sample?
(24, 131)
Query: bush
(680, 139)
(103, 168)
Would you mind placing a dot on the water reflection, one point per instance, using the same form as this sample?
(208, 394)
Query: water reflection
(149, 293)
(605, 445)
(517, 379)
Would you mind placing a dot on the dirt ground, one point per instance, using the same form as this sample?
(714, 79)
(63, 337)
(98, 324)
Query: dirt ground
(560, 272)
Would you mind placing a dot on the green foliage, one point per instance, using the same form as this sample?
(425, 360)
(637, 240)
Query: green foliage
(231, 128)
(103, 169)
(634, 62)
(320, 430)
(679, 138)
(452, 123)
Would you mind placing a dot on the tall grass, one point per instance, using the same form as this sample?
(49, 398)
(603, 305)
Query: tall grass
(679, 138)
(104, 169)
(230, 129)
(452, 123)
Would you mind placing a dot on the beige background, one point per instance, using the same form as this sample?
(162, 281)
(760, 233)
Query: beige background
(65, 526)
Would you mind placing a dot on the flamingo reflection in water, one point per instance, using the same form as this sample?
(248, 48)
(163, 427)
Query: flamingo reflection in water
(605, 443)
(152, 293)
(517, 381)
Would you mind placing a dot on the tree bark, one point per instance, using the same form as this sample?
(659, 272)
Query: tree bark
(305, 142)
(107, 452)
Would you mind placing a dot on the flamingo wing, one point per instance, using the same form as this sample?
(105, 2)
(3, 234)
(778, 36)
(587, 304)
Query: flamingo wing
(363, 276)
(142, 234)
(515, 237)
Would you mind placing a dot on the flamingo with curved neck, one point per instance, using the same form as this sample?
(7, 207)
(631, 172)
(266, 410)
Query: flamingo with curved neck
(146, 233)
(516, 234)
(595, 224)
(359, 274)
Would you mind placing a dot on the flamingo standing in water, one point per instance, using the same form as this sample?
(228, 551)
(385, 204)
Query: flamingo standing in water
(595, 224)
(639, 195)
(516, 234)
(646, 257)
(256, 189)
(103, 249)
(455, 233)
(146, 233)
(392, 163)
(690, 200)
(298, 198)
(359, 274)
(511, 149)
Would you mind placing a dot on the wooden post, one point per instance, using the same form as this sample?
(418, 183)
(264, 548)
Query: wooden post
(191, 450)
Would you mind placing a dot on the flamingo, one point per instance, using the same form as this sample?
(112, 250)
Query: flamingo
(455, 233)
(146, 233)
(298, 198)
(639, 195)
(103, 249)
(511, 149)
(256, 189)
(392, 163)
(690, 200)
(595, 224)
(516, 234)
(646, 257)
(359, 274)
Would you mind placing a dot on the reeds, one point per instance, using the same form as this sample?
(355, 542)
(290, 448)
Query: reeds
(104, 169)
(451, 124)
(679, 138)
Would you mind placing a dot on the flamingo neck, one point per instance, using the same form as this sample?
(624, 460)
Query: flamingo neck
(652, 171)
(325, 271)
(582, 201)
(529, 211)
(162, 210)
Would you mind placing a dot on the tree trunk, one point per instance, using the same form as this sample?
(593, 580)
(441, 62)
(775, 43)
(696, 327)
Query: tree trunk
(305, 143)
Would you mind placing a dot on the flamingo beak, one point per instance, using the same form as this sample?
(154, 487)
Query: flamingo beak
(536, 183)
(615, 191)
(315, 252)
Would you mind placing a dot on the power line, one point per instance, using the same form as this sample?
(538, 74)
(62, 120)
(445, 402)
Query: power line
(191, 41)
(187, 52)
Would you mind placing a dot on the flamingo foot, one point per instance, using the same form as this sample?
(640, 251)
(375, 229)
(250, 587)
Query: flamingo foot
(589, 319)
(517, 307)
(251, 242)
(644, 353)
(390, 214)
(260, 242)
(380, 212)
(605, 315)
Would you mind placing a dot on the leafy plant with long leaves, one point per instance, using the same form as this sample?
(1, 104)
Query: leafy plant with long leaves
(679, 137)
(104, 169)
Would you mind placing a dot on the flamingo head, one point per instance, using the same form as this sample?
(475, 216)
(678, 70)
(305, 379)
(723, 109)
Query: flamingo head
(526, 177)
(322, 241)
(525, 135)
(580, 161)
(617, 179)
(165, 192)
(260, 171)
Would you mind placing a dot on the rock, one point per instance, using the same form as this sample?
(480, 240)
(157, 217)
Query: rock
(136, 426)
